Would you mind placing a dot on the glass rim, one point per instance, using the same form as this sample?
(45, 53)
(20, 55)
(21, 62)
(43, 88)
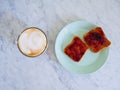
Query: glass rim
(39, 53)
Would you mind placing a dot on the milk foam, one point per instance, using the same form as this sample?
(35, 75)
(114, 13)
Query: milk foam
(32, 41)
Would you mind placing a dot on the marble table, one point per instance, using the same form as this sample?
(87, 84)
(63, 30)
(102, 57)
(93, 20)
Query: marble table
(18, 72)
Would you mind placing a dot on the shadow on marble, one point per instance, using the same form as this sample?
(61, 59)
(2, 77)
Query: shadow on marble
(11, 27)
(52, 35)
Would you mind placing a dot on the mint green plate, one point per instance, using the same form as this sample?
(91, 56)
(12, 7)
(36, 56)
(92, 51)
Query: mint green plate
(90, 62)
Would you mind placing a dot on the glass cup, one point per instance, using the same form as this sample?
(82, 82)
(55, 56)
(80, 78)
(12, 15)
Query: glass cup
(32, 42)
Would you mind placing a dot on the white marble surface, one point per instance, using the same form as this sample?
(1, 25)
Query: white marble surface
(18, 72)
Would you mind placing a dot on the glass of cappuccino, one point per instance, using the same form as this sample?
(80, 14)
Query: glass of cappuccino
(32, 42)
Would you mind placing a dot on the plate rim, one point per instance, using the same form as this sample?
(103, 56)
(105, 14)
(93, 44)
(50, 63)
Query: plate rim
(106, 56)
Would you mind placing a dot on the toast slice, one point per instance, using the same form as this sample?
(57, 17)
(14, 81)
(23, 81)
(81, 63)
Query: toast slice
(76, 49)
(96, 39)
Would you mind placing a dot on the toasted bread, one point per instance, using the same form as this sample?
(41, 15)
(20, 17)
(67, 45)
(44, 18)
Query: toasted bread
(96, 39)
(76, 49)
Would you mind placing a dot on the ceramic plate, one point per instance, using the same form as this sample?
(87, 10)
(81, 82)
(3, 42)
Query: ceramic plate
(90, 62)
